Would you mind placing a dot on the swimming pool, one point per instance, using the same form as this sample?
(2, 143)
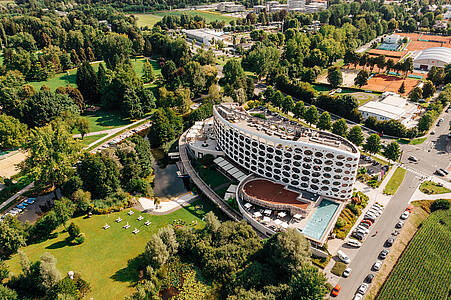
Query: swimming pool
(320, 219)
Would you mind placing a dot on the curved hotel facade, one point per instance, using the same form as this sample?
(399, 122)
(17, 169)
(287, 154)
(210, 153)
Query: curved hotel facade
(282, 151)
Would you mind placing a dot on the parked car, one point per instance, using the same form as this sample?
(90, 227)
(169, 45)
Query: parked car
(369, 222)
(24, 204)
(360, 231)
(444, 171)
(432, 132)
(377, 265)
(399, 224)
(413, 158)
(389, 242)
(30, 200)
(383, 254)
(357, 236)
(366, 225)
(347, 272)
(343, 257)
(370, 217)
(357, 297)
(364, 229)
(378, 208)
(362, 289)
(405, 215)
(336, 290)
(369, 278)
(439, 172)
(20, 206)
(354, 243)
(374, 212)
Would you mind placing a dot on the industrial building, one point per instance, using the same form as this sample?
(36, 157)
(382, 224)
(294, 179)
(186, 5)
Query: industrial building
(230, 7)
(203, 36)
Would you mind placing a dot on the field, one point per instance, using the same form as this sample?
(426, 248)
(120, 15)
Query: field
(423, 271)
(416, 141)
(208, 15)
(64, 79)
(108, 258)
(147, 19)
(395, 181)
(386, 83)
(104, 120)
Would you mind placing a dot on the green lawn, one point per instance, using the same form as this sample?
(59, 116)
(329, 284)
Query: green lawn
(65, 79)
(432, 188)
(212, 177)
(104, 120)
(107, 259)
(147, 19)
(91, 139)
(395, 181)
(208, 15)
(417, 141)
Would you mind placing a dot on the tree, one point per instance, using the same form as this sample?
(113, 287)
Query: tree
(82, 125)
(156, 252)
(299, 109)
(11, 239)
(73, 230)
(324, 122)
(4, 272)
(428, 89)
(49, 274)
(82, 200)
(87, 83)
(361, 78)
(287, 104)
(355, 135)
(167, 235)
(311, 116)
(340, 127)
(308, 283)
(232, 71)
(64, 209)
(402, 88)
(287, 251)
(148, 75)
(277, 99)
(440, 204)
(416, 94)
(436, 75)
(52, 154)
(132, 107)
(115, 48)
(7, 293)
(334, 77)
(12, 133)
(373, 143)
(392, 151)
(212, 223)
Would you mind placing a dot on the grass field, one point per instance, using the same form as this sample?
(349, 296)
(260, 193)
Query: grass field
(104, 120)
(209, 16)
(107, 259)
(147, 19)
(65, 79)
(395, 181)
(417, 141)
(91, 139)
(423, 271)
(432, 188)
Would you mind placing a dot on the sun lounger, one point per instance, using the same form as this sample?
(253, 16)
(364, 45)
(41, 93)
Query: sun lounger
(130, 212)
(118, 220)
(126, 226)
(147, 223)
(106, 226)
(140, 218)
(135, 231)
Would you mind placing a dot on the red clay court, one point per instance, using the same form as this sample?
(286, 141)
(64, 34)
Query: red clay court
(388, 83)
(272, 192)
(387, 53)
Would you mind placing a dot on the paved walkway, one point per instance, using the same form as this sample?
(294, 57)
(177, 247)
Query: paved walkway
(166, 207)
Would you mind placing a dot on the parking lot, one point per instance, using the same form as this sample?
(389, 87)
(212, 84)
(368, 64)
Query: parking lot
(29, 209)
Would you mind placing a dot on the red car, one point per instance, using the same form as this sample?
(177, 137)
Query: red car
(336, 290)
(367, 222)
(409, 208)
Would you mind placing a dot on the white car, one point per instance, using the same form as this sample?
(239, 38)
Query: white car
(405, 215)
(374, 212)
(362, 289)
(361, 231)
(357, 297)
(347, 272)
(343, 257)
(377, 265)
(354, 243)
(377, 208)
(365, 230)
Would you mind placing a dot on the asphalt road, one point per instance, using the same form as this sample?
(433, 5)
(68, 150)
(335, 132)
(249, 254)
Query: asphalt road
(362, 259)
(434, 153)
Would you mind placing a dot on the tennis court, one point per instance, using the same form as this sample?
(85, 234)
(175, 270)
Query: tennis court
(387, 83)
(389, 47)
(387, 53)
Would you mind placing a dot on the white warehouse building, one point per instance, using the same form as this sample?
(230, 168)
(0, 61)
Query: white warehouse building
(436, 56)
(311, 160)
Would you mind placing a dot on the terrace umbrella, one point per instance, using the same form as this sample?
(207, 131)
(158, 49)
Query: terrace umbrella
(277, 222)
(282, 214)
(267, 212)
(248, 205)
(284, 225)
(297, 216)
(257, 214)
(266, 219)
